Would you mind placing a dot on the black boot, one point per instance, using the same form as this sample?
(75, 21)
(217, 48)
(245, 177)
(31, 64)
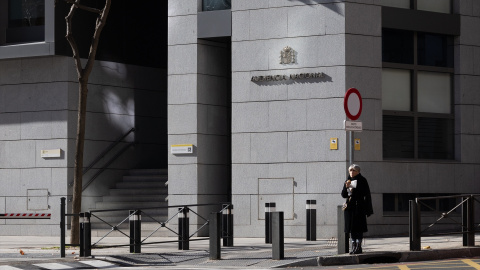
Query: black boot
(358, 245)
(354, 247)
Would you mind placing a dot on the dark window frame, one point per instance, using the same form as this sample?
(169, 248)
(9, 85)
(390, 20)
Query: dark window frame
(414, 113)
(222, 5)
(441, 205)
(414, 5)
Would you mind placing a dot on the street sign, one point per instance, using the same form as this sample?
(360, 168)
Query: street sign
(352, 104)
(352, 125)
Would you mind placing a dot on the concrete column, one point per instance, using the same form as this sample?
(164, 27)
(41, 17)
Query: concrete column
(198, 113)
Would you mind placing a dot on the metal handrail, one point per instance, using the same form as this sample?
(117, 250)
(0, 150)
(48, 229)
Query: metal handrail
(446, 197)
(162, 224)
(110, 147)
(467, 225)
(161, 207)
(110, 161)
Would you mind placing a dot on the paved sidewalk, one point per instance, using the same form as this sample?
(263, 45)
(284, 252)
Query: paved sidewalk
(247, 252)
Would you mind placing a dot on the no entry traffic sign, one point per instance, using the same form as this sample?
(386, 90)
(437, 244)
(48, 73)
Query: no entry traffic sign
(353, 104)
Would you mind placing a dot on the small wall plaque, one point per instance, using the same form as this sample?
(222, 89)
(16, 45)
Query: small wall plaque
(181, 149)
(51, 153)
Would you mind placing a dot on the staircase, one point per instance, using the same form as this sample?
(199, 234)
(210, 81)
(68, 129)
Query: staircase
(140, 189)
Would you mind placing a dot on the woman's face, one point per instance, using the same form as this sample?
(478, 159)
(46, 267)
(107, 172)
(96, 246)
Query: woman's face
(353, 173)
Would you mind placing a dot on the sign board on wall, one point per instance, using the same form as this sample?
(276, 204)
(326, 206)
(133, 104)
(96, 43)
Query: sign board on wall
(181, 149)
(352, 125)
(50, 153)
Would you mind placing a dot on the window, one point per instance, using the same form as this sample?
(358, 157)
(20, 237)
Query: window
(398, 203)
(417, 83)
(25, 22)
(209, 5)
(397, 46)
(442, 6)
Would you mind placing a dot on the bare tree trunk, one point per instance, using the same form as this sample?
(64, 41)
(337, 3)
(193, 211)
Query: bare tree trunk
(83, 75)
(78, 171)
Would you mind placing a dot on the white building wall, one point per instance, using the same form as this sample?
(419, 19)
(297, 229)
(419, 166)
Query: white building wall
(281, 130)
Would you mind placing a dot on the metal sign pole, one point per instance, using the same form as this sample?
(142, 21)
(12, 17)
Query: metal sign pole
(351, 148)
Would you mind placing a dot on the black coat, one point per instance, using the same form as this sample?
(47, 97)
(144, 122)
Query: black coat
(360, 205)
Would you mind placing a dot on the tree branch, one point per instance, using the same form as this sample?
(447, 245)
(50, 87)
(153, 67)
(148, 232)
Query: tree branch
(94, 10)
(101, 21)
(71, 41)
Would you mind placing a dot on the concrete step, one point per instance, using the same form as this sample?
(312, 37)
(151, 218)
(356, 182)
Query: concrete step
(148, 172)
(139, 192)
(135, 198)
(145, 178)
(129, 205)
(139, 185)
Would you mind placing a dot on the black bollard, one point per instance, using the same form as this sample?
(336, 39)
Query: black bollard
(269, 208)
(85, 235)
(278, 242)
(215, 230)
(468, 222)
(82, 233)
(183, 231)
(311, 220)
(62, 227)
(135, 231)
(342, 244)
(227, 225)
(414, 226)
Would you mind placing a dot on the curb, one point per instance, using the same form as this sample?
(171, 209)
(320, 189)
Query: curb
(393, 257)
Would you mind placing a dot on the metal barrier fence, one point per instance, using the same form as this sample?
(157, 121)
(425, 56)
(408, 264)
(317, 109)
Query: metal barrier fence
(467, 223)
(135, 224)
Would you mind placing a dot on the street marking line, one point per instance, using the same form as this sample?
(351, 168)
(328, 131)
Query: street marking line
(98, 264)
(471, 263)
(53, 266)
(403, 267)
(7, 267)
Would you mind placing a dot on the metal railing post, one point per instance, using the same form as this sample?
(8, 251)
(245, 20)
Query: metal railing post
(414, 225)
(278, 241)
(342, 243)
(215, 232)
(62, 227)
(183, 231)
(269, 208)
(468, 217)
(227, 225)
(311, 220)
(135, 231)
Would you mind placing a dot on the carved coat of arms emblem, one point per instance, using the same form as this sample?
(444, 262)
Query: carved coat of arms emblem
(287, 56)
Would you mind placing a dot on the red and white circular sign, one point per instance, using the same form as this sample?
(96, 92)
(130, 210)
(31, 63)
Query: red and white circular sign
(353, 104)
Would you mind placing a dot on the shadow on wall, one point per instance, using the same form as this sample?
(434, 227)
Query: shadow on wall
(332, 6)
(113, 109)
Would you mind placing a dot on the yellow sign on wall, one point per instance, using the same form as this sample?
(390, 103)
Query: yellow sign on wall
(357, 144)
(333, 143)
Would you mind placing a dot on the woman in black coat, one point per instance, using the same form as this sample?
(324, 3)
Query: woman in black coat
(358, 207)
